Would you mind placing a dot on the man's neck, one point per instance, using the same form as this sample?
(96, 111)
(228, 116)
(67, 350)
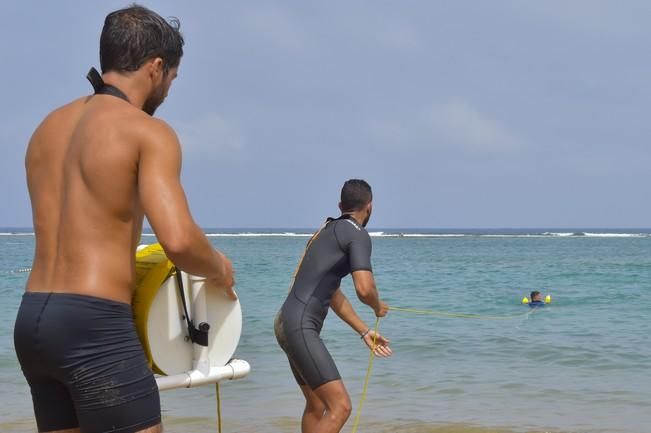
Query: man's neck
(130, 84)
(356, 216)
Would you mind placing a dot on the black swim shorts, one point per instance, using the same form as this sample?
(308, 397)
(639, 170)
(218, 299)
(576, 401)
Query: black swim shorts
(84, 364)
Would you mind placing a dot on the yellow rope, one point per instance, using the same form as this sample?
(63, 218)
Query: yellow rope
(219, 409)
(458, 315)
(368, 375)
(414, 311)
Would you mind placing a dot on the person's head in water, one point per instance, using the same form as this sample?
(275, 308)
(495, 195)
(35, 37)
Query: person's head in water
(536, 296)
(356, 196)
(138, 39)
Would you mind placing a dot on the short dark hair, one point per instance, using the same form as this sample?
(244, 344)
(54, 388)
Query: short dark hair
(534, 293)
(355, 194)
(135, 34)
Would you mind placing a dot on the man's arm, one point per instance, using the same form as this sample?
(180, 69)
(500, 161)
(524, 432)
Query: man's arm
(343, 308)
(166, 207)
(359, 249)
(367, 292)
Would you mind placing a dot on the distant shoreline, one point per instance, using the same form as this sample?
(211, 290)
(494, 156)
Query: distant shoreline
(408, 232)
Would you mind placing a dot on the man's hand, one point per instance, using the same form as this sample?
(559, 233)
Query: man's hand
(382, 310)
(226, 281)
(381, 347)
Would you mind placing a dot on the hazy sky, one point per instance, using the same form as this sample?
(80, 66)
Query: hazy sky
(459, 113)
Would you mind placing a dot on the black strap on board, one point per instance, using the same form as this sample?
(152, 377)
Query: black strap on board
(197, 335)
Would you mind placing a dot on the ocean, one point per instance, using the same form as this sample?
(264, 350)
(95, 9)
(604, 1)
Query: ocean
(483, 363)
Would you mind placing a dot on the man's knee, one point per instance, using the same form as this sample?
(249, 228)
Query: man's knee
(315, 407)
(336, 399)
(339, 413)
(340, 408)
(346, 407)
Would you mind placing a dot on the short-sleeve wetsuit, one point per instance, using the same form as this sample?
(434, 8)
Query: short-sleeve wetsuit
(341, 247)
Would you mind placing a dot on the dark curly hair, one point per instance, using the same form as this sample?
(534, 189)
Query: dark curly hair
(135, 34)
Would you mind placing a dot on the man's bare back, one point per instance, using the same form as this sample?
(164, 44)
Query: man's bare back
(82, 171)
(95, 167)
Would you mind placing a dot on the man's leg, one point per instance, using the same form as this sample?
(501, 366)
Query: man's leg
(338, 407)
(314, 409)
(53, 407)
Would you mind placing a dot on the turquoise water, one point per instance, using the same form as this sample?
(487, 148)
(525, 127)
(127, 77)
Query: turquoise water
(581, 364)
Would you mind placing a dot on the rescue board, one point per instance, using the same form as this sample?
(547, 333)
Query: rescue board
(160, 319)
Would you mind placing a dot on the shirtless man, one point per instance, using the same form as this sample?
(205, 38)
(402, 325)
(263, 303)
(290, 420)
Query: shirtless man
(95, 168)
(341, 247)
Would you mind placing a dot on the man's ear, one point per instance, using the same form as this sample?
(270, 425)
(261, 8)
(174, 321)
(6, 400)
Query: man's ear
(156, 66)
(341, 208)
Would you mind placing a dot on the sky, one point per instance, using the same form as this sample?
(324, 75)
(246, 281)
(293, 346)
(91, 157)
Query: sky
(460, 114)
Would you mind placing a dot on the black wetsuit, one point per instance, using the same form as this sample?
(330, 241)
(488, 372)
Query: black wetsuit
(342, 247)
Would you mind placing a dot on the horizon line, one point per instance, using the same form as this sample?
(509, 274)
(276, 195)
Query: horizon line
(398, 228)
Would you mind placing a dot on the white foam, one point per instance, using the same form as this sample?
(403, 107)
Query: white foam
(258, 235)
(433, 235)
(598, 235)
(617, 235)
(381, 235)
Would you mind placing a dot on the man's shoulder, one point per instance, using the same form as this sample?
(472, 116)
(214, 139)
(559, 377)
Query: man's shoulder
(56, 121)
(149, 130)
(153, 125)
(130, 119)
(63, 112)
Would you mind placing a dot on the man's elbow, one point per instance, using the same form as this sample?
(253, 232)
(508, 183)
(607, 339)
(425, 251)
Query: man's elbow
(364, 292)
(177, 239)
(176, 247)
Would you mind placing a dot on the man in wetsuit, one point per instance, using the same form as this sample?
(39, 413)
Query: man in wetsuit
(341, 247)
(95, 168)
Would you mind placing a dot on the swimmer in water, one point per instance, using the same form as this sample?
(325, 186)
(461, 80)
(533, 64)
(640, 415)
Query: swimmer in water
(536, 300)
(341, 247)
